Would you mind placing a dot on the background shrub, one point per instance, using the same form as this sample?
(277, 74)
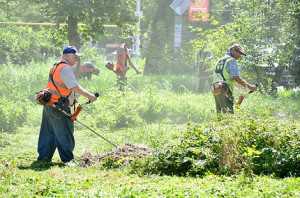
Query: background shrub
(20, 45)
(12, 115)
(261, 145)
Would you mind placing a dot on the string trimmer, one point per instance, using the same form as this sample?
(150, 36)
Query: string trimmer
(73, 117)
(242, 97)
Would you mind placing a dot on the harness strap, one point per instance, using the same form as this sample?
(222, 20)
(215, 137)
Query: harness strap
(57, 92)
(54, 92)
(221, 70)
(51, 77)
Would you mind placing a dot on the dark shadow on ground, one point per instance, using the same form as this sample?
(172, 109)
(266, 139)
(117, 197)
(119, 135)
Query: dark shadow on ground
(40, 165)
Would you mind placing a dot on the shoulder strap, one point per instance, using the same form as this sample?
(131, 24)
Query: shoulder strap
(220, 67)
(52, 73)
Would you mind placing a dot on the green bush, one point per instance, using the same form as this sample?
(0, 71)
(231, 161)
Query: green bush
(12, 115)
(17, 89)
(241, 142)
(20, 45)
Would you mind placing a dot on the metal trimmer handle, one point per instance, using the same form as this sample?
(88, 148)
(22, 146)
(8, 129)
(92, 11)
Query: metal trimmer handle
(256, 85)
(96, 95)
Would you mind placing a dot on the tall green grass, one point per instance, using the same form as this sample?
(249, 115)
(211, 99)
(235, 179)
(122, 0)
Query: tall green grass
(147, 99)
(164, 113)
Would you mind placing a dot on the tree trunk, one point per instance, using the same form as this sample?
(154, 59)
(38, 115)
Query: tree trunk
(73, 35)
(159, 39)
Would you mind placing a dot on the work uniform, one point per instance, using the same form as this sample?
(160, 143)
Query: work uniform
(225, 100)
(56, 128)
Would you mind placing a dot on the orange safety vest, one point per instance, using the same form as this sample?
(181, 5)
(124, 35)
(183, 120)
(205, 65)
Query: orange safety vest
(58, 88)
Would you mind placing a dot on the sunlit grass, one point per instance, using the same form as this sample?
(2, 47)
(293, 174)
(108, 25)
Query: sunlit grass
(153, 111)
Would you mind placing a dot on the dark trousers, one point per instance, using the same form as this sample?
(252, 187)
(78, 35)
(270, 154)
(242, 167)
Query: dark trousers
(224, 102)
(56, 132)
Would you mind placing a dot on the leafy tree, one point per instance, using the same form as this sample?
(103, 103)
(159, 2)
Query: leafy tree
(16, 10)
(296, 58)
(265, 28)
(92, 13)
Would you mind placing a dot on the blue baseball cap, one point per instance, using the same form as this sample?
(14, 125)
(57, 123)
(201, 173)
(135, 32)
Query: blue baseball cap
(70, 50)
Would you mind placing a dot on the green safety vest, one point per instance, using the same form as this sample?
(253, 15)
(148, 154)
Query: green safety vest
(222, 71)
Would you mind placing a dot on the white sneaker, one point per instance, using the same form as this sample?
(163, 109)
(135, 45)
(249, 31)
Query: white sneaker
(71, 163)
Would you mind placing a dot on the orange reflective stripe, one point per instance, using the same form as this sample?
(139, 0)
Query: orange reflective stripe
(59, 89)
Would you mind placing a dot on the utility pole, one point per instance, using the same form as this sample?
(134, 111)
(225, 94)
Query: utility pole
(179, 7)
(137, 38)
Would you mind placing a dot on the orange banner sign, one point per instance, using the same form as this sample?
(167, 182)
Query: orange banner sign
(199, 10)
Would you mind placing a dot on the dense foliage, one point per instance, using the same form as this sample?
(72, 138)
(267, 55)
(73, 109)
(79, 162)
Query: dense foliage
(20, 45)
(253, 25)
(92, 15)
(267, 30)
(243, 142)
